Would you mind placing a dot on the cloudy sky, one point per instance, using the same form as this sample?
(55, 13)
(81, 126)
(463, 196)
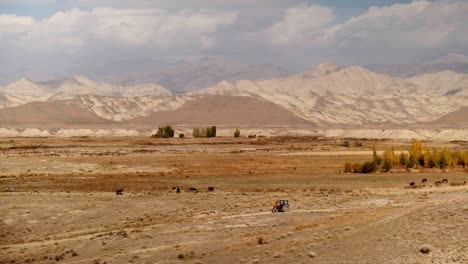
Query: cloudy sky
(70, 35)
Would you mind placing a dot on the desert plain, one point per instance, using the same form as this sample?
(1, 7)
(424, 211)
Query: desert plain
(58, 202)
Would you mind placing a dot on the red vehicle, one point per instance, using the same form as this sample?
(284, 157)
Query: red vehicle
(280, 206)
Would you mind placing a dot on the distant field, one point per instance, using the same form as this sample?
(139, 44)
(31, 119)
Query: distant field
(59, 202)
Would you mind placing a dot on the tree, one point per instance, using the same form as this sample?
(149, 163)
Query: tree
(377, 159)
(196, 132)
(404, 159)
(387, 165)
(434, 159)
(164, 132)
(416, 153)
(211, 131)
(237, 133)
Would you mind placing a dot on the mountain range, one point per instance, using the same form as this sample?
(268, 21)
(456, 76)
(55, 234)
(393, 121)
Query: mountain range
(451, 62)
(178, 77)
(326, 96)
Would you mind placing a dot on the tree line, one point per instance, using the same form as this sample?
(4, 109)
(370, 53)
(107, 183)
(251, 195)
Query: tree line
(418, 155)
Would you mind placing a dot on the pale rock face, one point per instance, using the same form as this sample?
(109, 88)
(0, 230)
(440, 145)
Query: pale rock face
(353, 95)
(443, 83)
(326, 95)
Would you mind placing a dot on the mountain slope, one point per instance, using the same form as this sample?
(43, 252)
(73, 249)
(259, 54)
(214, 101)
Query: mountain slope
(456, 118)
(224, 110)
(443, 83)
(30, 91)
(350, 96)
(48, 113)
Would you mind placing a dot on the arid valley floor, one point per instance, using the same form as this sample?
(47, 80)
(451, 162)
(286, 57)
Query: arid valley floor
(58, 203)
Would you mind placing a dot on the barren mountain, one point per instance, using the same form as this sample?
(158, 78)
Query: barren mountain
(8, 100)
(48, 113)
(124, 108)
(326, 96)
(457, 118)
(443, 83)
(224, 110)
(28, 90)
(450, 62)
(190, 75)
(349, 96)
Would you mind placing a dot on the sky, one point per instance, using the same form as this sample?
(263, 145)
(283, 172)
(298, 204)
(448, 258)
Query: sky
(62, 36)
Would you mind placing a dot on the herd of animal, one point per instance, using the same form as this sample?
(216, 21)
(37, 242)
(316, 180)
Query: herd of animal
(176, 189)
(437, 183)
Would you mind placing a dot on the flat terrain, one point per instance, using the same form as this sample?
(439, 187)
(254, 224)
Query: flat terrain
(58, 203)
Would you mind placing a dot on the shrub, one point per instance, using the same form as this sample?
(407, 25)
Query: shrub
(369, 167)
(357, 168)
(358, 144)
(346, 144)
(348, 167)
(181, 135)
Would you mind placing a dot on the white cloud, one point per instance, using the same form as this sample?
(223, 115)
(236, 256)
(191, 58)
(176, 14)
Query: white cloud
(300, 24)
(417, 24)
(388, 34)
(287, 32)
(13, 25)
(154, 27)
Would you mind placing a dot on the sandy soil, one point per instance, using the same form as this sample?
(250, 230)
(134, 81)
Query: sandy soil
(58, 203)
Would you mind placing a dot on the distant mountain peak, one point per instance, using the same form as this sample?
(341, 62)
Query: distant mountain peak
(322, 69)
(451, 58)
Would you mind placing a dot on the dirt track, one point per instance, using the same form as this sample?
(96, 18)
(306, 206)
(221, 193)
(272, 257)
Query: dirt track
(64, 209)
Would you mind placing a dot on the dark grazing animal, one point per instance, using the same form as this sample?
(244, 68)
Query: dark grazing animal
(424, 180)
(119, 192)
(444, 181)
(211, 189)
(411, 184)
(193, 190)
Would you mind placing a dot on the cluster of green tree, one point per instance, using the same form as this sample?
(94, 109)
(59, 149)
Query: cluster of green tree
(204, 132)
(418, 156)
(237, 133)
(164, 132)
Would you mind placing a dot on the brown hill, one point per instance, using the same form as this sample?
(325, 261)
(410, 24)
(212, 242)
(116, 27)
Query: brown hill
(224, 110)
(457, 118)
(48, 113)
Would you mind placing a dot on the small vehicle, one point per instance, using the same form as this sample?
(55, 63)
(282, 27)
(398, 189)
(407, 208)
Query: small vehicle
(280, 206)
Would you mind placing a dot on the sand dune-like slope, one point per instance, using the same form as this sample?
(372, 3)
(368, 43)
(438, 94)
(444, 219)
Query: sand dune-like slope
(457, 118)
(225, 110)
(48, 113)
